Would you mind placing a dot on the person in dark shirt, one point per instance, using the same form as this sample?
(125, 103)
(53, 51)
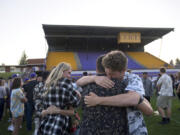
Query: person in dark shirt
(28, 89)
(177, 84)
(147, 84)
(104, 120)
(99, 119)
(85, 73)
(38, 101)
(114, 62)
(2, 97)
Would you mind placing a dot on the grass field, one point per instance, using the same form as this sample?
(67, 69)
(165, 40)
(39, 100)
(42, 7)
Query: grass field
(151, 122)
(154, 128)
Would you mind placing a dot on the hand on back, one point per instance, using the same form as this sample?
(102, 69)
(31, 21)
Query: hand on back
(91, 99)
(104, 81)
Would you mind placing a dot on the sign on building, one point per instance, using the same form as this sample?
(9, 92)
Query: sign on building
(129, 37)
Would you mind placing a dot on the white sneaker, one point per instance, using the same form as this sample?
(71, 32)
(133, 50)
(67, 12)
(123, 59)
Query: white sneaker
(35, 132)
(156, 113)
(11, 128)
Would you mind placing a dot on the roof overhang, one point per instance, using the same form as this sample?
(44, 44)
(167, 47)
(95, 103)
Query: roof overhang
(60, 34)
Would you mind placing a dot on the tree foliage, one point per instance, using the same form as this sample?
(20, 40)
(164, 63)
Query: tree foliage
(171, 63)
(177, 61)
(23, 60)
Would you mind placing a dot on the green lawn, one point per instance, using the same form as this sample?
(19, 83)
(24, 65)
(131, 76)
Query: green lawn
(4, 125)
(154, 128)
(151, 122)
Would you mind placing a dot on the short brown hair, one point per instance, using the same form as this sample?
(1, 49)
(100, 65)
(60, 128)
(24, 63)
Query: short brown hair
(115, 60)
(163, 70)
(99, 65)
(145, 73)
(1, 82)
(16, 83)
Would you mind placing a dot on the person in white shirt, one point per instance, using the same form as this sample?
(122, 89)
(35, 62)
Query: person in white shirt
(164, 85)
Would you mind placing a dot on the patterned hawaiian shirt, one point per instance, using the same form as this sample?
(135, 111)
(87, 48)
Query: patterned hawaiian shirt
(135, 118)
(38, 98)
(17, 107)
(104, 120)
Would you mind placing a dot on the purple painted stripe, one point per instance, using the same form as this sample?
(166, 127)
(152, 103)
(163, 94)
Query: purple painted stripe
(88, 60)
(132, 64)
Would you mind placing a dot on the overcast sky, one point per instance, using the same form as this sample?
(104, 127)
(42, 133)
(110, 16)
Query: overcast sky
(21, 23)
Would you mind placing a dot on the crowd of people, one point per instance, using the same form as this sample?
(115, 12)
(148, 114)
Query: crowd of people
(112, 102)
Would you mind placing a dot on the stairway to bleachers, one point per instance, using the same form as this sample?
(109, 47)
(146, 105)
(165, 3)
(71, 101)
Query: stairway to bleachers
(147, 60)
(53, 58)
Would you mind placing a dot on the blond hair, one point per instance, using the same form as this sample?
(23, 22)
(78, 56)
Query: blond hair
(55, 75)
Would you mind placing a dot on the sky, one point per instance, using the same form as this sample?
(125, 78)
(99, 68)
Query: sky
(21, 23)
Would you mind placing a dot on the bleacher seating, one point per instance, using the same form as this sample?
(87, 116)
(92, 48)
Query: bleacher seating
(53, 58)
(132, 64)
(84, 61)
(88, 60)
(147, 60)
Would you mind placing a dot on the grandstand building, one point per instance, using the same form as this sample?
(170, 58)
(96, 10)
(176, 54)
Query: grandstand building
(81, 45)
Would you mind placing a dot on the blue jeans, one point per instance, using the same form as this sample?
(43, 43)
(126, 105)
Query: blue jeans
(1, 107)
(28, 115)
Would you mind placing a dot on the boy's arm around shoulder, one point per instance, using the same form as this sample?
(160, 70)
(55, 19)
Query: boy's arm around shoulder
(145, 107)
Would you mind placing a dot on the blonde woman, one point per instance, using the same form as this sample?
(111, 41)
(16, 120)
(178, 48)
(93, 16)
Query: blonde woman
(59, 92)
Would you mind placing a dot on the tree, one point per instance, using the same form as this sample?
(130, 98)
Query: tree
(171, 63)
(2, 64)
(177, 61)
(177, 64)
(23, 60)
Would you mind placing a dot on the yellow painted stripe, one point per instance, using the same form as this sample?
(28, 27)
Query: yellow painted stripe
(54, 58)
(147, 59)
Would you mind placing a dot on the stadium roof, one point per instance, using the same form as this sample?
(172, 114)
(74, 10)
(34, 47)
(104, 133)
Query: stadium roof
(60, 34)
